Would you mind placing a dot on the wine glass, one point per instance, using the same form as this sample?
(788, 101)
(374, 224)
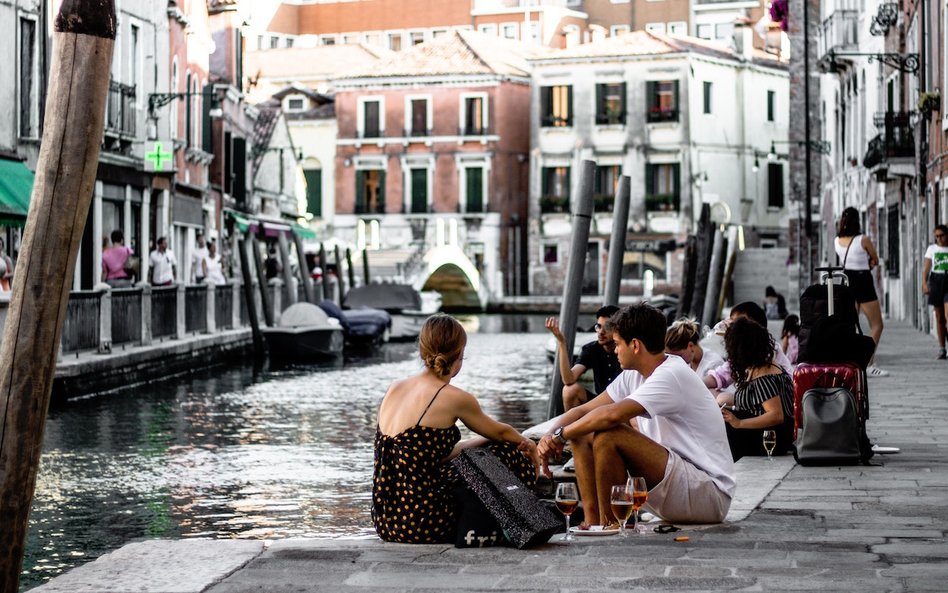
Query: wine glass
(639, 496)
(620, 500)
(566, 501)
(770, 441)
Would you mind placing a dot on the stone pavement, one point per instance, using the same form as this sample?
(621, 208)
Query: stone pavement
(863, 528)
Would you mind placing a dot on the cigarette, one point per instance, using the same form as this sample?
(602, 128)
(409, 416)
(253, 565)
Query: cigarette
(681, 538)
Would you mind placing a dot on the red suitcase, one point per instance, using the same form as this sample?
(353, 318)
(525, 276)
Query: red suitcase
(810, 375)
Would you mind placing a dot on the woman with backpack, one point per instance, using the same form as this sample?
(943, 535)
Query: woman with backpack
(857, 256)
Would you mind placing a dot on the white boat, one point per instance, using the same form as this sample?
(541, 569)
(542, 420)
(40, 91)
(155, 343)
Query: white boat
(408, 307)
(305, 333)
(582, 338)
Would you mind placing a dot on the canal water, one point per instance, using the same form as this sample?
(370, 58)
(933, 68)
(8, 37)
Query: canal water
(231, 452)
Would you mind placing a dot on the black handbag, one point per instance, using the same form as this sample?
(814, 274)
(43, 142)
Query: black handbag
(832, 431)
(525, 520)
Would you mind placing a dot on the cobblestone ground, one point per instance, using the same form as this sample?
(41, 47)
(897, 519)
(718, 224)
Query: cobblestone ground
(863, 528)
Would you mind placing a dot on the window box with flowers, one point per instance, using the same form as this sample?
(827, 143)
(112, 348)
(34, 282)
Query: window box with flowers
(661, 203)
(603, 202)
(554, 204)
(929, 103)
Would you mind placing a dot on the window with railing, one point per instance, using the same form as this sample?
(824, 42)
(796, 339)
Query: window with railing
(371, 118)
(120, 109)
(554, 189)
(605, 186)
(662, 187)
(610, 103)
(556, 106)
(474, 118)
(418, 117)
(370, 192)
(662, 97)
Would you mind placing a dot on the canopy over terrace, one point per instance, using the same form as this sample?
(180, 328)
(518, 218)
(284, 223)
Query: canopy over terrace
(16, 185)
(269, 228)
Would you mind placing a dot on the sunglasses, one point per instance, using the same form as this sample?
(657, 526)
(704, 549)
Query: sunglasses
(939, 235)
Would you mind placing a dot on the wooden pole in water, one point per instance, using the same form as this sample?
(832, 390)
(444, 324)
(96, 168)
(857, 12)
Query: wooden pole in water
(573, 284)
(262, 281)
(304, 268)
(62, 192)
(258, 344)
(291, 290)
(620, 222)
(352, 276)
(324, 264)
(365, 266)
(340, 279)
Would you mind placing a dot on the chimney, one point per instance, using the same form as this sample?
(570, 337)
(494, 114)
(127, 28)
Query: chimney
(743, 39)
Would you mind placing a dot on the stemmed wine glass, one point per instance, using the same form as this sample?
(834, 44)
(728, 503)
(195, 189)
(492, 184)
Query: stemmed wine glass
(620, 500)
(770, 441)
(639, 495)
(566, 501)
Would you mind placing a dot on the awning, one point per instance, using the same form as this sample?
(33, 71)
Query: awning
(269, 228)
(243, 224)
(16, 185)
(303, 232)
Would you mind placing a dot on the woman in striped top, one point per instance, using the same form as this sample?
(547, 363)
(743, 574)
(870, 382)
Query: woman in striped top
(764, 396)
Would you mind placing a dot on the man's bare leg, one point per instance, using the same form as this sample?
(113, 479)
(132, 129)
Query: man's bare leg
(586, 476)
(574, 395)
(622, 449)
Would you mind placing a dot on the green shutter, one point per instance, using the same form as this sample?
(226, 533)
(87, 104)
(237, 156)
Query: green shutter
(675, 100)
(600, 104)
(651, 99)
(546, 105)
(419, 191)
(676, 184)
(360, 192)
(569, 105)
(649, 179)
(622, 106)
(207, 131)
(475, 189)
(569, 188)
(314, 191)
(381, 205)
(545, 181)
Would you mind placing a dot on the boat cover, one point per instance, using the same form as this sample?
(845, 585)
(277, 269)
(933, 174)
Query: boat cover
(359, 323)
(391, 297)
(304, 314)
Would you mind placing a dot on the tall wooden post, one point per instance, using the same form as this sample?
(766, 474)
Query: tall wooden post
(324, 264)
(365, 266)
(304, 270)
(620, 223)
(62, 193)
(340, 279)
(349, 270)
(259, 346)
(262, 281)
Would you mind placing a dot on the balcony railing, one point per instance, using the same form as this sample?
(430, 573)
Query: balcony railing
(488, 5)
(474, 130)
(662, 114)
(554, 204)
(603, 202)
(895, 140)
(370, 133)
(120, 112)
(661, 203)
(417, 132)
(839, 32)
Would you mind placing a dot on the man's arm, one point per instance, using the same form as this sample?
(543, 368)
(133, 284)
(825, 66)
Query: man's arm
(926, 269)
(569, 375)
(604, 417)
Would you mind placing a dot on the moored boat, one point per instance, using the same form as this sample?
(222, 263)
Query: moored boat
(408, 307)
(305, 333)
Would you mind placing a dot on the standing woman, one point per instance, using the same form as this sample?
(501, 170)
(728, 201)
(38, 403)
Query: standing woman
(412, 498)
(934, 283)
(858, 256)
(764, 396)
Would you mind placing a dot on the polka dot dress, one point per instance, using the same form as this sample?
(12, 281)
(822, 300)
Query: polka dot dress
(412, 500)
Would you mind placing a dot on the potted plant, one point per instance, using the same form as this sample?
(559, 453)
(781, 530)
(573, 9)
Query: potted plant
(929, 103)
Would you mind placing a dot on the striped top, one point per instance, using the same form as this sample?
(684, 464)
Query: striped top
(751, 396)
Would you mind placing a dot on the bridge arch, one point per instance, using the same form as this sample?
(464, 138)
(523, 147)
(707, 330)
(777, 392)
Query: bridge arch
(450, 272)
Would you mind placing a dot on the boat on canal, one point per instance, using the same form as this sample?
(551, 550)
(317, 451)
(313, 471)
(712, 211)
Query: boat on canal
(363, 327)
(408, 307)
(305, 333)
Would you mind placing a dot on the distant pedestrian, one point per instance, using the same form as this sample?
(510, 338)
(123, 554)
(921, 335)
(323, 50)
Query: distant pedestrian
(775, 306)
(163, 266)
(790, 338)
(272, 266)
(115, 262)
(6, 269)
(211, 266)
(197, 258)
(934, 275)
(857, 256)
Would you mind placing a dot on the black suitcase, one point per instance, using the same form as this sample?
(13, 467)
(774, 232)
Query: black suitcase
(524, 519)
(829, 323)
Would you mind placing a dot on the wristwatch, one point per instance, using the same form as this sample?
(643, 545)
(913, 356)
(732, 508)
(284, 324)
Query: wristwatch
(558, 435)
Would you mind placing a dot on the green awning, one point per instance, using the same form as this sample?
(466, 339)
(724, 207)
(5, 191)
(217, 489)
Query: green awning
(16, 185)
(242, 223)
(304, 232)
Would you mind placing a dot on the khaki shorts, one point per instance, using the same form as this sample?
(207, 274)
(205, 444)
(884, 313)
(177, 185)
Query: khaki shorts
(687, 495)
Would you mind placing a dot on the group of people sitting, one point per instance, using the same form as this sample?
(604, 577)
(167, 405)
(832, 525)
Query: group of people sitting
(661, 410)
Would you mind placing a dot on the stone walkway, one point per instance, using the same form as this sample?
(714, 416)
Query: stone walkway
(863, 528)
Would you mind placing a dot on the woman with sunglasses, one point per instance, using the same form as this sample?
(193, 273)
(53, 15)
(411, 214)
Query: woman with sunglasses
(934, 284)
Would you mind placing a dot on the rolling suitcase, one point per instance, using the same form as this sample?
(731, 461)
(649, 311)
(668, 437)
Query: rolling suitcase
(830, 392)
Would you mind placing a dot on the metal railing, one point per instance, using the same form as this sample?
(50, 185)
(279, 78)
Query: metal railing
(164, 311)
(195, 308)
(224, 307)
(81, 326)
(126, 316)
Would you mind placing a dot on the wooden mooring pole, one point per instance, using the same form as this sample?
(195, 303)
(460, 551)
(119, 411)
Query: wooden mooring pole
(62, 192)
(620, 224)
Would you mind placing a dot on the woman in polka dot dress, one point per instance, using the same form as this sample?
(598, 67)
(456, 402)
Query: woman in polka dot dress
(412, 500)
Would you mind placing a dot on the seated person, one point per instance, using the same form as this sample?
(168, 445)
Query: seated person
(412, 498)
(600, 356)
(764, 396)
(682, 339)
(790, 338)
(720, 378)
(680, 446)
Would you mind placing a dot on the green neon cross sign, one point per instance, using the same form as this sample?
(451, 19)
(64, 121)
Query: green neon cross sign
(157, 157)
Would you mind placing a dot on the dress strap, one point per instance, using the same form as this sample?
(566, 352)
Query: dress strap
(429, 403)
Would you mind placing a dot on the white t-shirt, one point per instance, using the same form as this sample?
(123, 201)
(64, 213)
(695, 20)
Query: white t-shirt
(939, 257)
(197, 256)
(681, 415)
(709, 360)
(162, 266)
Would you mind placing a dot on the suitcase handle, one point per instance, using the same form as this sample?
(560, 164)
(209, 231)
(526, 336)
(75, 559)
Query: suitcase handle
(829, 269)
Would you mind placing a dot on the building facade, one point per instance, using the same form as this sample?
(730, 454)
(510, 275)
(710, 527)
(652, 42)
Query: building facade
(688, 121)
(431, 160)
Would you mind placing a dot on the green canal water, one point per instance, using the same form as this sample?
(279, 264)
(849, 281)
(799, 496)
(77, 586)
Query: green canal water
(237, 453)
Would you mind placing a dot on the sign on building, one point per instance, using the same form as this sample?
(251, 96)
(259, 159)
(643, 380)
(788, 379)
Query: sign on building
(159, 156)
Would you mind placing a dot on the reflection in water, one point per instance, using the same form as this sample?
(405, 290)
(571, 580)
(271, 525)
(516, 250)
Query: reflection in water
(229, 453)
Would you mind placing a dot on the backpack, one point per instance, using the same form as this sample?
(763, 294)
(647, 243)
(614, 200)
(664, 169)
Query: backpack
(833, 431)
(832, 338)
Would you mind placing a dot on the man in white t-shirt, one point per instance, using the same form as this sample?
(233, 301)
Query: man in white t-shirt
(680, 447)
(162, 264)
(198, 256)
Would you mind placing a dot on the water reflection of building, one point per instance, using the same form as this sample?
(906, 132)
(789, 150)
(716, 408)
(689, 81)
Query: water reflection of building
(688, 121)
